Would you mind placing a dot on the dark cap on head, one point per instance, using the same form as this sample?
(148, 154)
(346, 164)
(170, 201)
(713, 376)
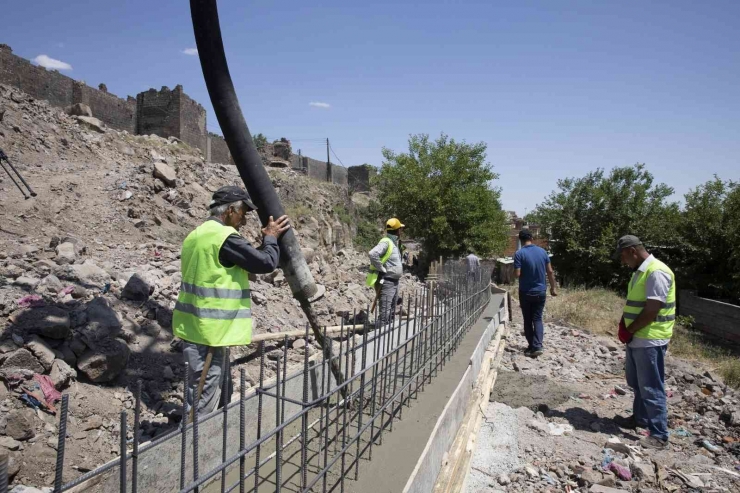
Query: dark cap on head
(525, 235)
(229, 195)
(626, 241)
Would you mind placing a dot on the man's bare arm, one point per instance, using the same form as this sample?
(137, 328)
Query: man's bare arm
(551, 278)
(518, 272)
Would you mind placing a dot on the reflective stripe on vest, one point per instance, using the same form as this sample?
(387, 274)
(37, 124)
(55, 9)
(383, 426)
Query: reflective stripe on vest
(372, 276)
(214, 306)
(662, 327)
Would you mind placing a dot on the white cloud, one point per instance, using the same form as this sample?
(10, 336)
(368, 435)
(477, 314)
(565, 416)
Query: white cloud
(190, 51)
(48, 62)
(319, 104)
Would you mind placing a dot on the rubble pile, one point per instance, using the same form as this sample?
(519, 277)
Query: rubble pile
(568, 440)
(90, 271)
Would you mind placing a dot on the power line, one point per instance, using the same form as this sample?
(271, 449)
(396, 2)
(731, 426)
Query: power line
(335, 155)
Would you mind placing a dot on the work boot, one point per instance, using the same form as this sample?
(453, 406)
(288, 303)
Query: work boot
(629, 422)
(654, 443)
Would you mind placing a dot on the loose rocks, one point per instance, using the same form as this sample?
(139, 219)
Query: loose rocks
(105, 362)
(22, 359)
(137, 289)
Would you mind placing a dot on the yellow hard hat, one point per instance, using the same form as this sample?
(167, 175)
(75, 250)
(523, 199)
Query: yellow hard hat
(393, 223)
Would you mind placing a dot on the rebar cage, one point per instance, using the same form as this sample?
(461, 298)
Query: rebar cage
(309, 428)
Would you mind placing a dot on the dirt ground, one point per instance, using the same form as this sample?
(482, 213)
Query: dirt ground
(577, 386)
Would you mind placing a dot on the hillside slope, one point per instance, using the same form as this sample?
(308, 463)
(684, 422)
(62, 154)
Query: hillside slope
(112, 205)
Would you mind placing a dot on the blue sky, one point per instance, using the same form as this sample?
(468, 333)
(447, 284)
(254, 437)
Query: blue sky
(555, 88)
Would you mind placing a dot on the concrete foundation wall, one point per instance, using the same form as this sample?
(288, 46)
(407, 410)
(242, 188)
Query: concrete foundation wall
(713, 317)
(427, 469)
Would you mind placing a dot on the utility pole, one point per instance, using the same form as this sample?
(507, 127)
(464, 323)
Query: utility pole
(328, 162)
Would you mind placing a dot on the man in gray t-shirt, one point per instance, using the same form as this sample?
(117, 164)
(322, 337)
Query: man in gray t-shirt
(473, 263)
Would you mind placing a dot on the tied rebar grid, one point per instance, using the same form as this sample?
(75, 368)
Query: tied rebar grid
(302, 430)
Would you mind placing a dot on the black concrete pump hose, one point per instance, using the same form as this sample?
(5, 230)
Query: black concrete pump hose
(236, 133)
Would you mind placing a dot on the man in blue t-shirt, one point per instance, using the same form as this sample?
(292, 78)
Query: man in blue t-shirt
(531, 263)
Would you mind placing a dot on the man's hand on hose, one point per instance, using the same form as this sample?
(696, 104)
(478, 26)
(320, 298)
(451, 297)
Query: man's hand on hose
(276, 228)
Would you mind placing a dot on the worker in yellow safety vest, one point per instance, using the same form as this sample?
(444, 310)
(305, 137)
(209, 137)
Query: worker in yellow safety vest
(214, 306)
(386, 269)
(648, 318)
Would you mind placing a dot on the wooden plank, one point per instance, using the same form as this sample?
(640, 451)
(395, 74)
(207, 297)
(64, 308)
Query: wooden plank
(297, 334)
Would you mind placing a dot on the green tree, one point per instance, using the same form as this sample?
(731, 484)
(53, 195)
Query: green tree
(710, 228)
(260, 141)
(441, 190)
(586, 216)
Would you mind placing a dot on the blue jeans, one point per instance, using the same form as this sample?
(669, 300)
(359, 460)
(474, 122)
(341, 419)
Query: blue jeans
(645, 372)
(532, 307)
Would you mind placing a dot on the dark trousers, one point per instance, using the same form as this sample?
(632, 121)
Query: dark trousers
(532, 307)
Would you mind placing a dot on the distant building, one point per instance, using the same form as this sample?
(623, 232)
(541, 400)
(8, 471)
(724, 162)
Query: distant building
(517, 224)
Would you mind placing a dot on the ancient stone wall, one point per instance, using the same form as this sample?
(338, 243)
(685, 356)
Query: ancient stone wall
(192, 121)
(158, 113)
(218, 151)
(165, 113)
(63, 91)
(33, 80)
(339, 175)
(359, 177)
(113, 111)
(317, 169)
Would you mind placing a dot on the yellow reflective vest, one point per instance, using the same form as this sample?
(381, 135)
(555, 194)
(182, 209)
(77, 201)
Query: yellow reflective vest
(662, 327)
(372, 276)
(214, 307)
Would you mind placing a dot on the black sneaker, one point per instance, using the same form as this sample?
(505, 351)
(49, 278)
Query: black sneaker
(629, 422)
(528, 351)
(535, 353)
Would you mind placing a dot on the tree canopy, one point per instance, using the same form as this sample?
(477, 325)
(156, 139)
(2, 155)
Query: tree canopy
(586, 216)
(441, 190)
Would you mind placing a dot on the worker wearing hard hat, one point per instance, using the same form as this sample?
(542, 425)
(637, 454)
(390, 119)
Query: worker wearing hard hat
(386, 269)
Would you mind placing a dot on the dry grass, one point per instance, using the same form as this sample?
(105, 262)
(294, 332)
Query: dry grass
(599, 310)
